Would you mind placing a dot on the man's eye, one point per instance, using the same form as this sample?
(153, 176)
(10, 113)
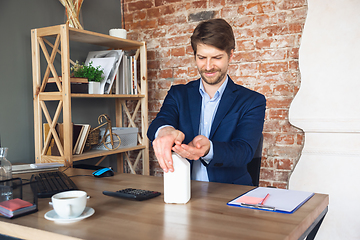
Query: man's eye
(200, 57)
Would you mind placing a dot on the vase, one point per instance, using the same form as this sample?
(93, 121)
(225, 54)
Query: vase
(94, 87)
(5, 174)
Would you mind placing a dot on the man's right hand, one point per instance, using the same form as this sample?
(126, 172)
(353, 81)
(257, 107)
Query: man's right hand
(165, 140)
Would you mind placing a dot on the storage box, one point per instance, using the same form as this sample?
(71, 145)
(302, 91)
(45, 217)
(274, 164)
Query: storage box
(74, 87)
(77, 85)
(128, 137)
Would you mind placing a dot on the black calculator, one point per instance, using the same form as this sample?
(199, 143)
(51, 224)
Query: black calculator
(132, 193)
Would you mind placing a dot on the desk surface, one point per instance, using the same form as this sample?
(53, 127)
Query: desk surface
(205, 216)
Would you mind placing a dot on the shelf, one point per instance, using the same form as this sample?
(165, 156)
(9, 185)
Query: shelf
(63, 35)
(89, 37)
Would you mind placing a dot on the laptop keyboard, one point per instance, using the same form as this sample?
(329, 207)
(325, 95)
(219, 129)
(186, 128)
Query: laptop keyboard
(50, 183)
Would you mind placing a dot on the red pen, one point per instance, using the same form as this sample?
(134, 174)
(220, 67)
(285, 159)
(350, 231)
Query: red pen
(264, 199)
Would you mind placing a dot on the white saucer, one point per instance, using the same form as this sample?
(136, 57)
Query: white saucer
(52, 216)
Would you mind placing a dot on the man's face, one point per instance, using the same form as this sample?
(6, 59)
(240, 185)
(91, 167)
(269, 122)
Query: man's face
(212, 63)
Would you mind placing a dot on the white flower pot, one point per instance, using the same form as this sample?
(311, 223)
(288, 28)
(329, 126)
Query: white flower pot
(94, 87)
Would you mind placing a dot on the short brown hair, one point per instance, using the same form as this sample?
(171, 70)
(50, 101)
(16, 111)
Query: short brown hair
(215, 32)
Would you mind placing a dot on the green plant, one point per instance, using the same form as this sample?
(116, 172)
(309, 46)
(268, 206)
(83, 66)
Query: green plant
(87, 71)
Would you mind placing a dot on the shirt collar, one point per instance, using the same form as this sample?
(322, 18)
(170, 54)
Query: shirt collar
(218, 93)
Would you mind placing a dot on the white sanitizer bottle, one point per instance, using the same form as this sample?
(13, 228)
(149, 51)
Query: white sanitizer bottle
(177, 185)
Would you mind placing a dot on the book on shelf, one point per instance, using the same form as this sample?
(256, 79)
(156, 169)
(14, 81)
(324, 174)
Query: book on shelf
(127, 76)
(15, 207)
(109, 60)
(78, 138)
(82, 138)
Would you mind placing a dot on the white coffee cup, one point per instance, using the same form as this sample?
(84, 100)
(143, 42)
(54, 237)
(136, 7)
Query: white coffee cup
(118, 32)
(69, 204)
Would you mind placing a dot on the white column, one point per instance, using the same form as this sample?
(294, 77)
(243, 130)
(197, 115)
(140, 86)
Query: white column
(327, 109)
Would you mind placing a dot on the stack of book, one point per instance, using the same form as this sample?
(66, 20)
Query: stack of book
(15, 207)
(80, 135)
(120, 71)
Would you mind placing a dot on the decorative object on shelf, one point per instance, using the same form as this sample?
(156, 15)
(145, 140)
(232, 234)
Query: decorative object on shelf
(72, 10)
(110, 140)
(5, 174)
(118, 32)
(94, 88)
(93, 74)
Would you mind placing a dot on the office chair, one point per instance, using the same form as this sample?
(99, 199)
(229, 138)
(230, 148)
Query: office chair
(253, 167)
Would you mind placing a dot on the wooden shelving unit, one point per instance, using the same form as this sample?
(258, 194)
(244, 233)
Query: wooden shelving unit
(63, 35)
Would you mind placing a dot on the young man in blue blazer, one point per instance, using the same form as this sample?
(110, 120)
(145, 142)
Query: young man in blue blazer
(213, 122)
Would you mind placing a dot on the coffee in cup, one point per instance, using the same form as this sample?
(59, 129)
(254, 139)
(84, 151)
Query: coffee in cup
(69, 204)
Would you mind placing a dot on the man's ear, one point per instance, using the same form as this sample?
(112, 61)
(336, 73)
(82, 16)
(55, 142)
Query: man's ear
(231, 55)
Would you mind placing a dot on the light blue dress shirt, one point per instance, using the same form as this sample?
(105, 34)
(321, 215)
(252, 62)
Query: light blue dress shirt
(208, 111)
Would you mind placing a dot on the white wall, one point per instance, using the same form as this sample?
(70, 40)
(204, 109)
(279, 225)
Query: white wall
(327, 109)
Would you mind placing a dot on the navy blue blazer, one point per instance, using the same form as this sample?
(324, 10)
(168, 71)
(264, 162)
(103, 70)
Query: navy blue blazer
(235, 131)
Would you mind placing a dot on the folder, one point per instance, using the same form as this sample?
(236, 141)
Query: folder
(272, 199)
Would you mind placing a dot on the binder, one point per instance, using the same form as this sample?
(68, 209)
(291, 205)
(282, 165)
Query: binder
(272, 199)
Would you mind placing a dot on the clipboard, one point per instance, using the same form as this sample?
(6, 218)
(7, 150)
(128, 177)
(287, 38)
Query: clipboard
(272, 199)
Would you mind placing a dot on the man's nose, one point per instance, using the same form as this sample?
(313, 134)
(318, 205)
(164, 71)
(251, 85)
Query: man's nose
(208, 64)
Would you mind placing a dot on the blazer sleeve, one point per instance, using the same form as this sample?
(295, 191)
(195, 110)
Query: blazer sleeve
(237, 137)
(168, 115)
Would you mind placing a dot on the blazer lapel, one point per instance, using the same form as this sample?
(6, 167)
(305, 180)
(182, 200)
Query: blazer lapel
(194, 99)
(225, 104)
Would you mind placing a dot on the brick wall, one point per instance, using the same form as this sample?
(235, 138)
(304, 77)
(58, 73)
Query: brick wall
(268, 36)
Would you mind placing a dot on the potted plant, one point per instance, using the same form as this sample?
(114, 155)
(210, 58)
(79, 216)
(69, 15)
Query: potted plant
(93, 74)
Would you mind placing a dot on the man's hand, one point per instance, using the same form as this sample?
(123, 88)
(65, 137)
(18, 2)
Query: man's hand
(165, 140)
(198, 147)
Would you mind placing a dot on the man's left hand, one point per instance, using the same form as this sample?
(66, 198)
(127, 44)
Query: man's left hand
(197, 148)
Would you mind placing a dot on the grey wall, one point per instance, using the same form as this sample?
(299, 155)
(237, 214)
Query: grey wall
(17, 18)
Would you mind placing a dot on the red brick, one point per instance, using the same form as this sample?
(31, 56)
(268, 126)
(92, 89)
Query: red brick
(181, 72)
(139, 15)
(243, 45)
(248, 69)
(286, 139)
(278, 102)
(153, 13)
(227, 12)
(138, 5)
(248, 56)
(170, 20)
(166, 73)
(275, 30)
(272, 67)
(174, 41)
(167, 9)
(164, 84)
(295, 28)
(153, 64)
(253, 8)
(216, 3)
(264, 89)
(281, 114)
(283, 90)
(198, 4)
(289, 4)
(282, 185)
(164, 2)
(273, 54)
(266, 173)
(241, 22)
(282, 176)
(293, 53)
(265, 19)
(178, 52)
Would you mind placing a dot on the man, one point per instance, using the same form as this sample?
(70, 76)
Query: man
(213, 122)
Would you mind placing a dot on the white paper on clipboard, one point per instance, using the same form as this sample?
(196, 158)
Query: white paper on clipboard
(282, 200)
